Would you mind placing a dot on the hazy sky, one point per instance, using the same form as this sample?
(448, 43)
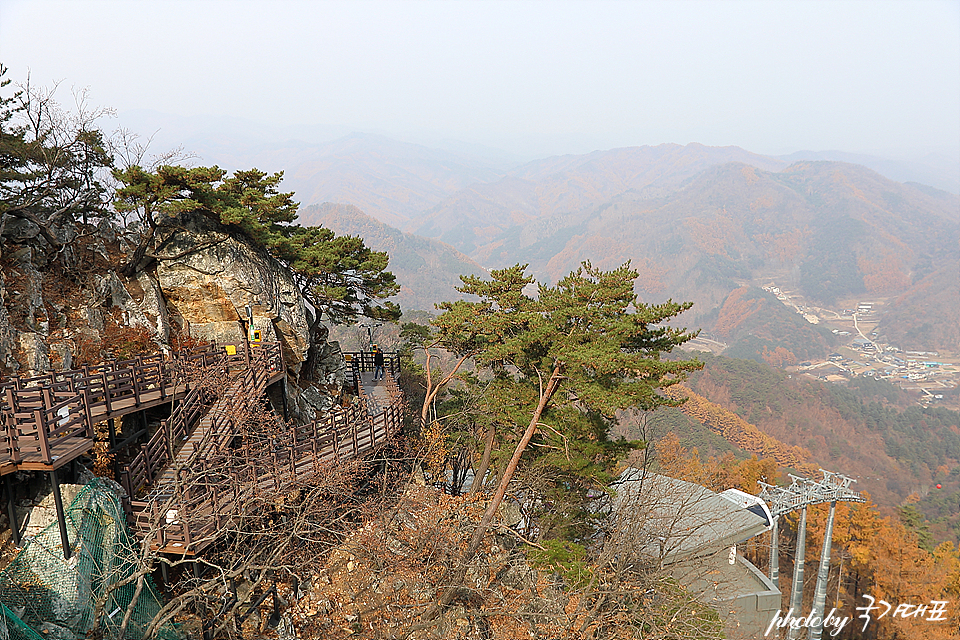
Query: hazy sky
(770, 76)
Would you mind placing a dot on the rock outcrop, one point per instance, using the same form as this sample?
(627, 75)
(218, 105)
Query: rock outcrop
(206, 283)
(215, 277)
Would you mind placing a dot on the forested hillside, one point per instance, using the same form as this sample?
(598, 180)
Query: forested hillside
(756, 325)
(926, 314)
(698, 223)
(868, 429)
(541, 189)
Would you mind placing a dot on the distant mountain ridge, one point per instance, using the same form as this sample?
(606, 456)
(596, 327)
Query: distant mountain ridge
(698, 231)
(697, 222)
(932, 171)
(831, 230)
(235, 143)
(389, 180)
(427, 270)
(480, 213)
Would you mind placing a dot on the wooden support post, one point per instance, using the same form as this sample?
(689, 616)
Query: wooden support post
(13, 433)
(45, 455)
(125, 482)
(46, 394)
(146, 462)
(106, 391)
(12, 510)
(135, 374)
(161, 379)
(61, 517)
(88, 418)
(356, 445)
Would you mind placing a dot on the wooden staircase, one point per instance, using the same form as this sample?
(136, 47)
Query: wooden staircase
(202, 494)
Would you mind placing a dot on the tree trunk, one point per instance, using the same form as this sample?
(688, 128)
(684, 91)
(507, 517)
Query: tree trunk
(130, 607)
(129, 270)
(457, 579)
(434, 389)
(481, 471)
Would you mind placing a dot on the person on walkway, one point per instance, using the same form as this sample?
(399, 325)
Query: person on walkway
(377, 363)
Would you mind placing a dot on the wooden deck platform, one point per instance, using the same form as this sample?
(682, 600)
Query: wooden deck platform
(48, 421)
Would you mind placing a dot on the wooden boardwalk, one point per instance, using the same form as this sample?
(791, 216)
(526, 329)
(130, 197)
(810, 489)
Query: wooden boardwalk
(188, 485)
(180, 440)
(48, 421)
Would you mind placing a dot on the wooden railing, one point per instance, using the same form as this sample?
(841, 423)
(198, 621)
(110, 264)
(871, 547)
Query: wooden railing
(49, 418)
(192, 493)
(206, 497)
(363, 361)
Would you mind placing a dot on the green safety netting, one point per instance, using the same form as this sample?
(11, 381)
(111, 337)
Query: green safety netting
(13, 628)
(45, 596)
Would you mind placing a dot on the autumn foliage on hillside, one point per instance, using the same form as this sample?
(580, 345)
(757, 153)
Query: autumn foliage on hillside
(882, 557)
(758, 326)
(782, 247)
(884, 275)
(716, 474)
(735, 311)
(778, 357)
(738, 431)
(866, 429)
(927, 316)
(380, 582)
(713, 236)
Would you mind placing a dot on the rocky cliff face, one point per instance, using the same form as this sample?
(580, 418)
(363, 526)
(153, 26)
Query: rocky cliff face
(61, 314)
(216, 277)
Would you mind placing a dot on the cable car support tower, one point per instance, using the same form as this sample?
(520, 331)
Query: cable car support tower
(801, 493)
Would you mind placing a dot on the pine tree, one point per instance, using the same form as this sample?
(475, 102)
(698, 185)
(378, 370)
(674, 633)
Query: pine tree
(570, 358)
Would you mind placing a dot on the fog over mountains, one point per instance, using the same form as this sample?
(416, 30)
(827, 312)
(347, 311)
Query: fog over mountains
(698, 222)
